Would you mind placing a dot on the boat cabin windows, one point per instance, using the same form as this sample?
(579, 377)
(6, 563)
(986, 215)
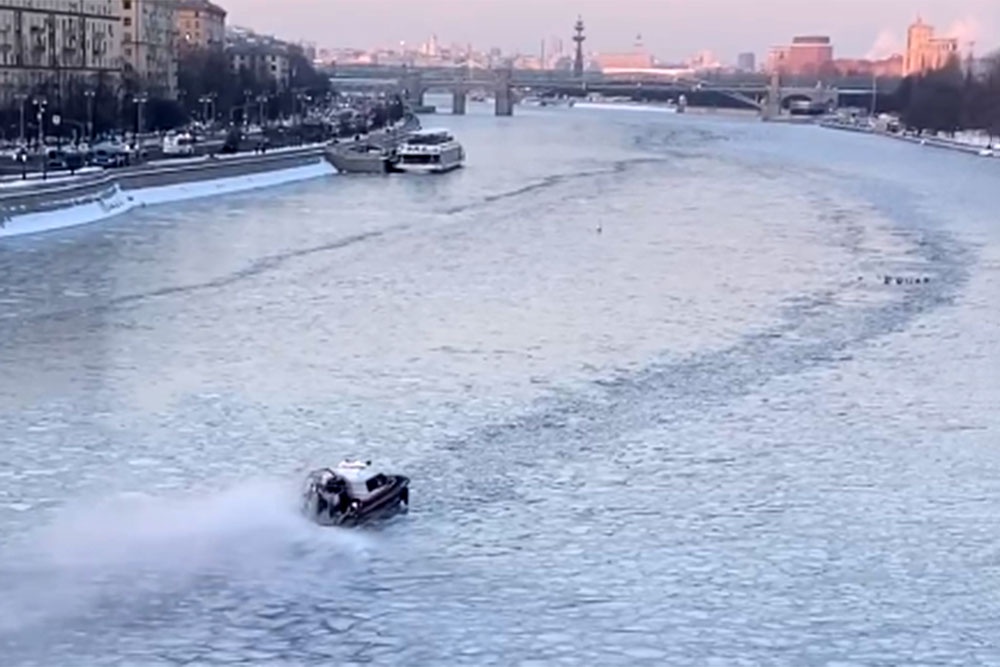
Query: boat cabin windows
(429, 138)
(377, 482)
(422, 158)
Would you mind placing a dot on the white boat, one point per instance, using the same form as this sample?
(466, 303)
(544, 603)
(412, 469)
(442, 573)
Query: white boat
(430, 151)
(353, 493)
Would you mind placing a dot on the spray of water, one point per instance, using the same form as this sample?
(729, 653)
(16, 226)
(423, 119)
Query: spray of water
(128, 547)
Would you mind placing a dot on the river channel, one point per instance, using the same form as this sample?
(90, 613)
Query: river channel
(671, 390)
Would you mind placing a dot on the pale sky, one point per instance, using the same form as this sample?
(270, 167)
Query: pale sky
(672, 29)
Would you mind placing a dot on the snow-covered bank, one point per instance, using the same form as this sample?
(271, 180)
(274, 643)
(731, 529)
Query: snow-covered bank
(165, 194)
(81, 214)
(982, 148)
(117, 201)
(970, 143)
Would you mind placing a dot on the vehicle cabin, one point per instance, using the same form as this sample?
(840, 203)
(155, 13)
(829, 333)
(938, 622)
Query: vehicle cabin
(361, 480)
(429, 147)
(429, 137)
(178, 144)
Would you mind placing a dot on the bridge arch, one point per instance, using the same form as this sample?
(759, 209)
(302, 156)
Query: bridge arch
(788, 100)
(816, 98)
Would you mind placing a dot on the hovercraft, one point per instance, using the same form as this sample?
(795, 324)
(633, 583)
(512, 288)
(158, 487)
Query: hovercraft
(353, 493)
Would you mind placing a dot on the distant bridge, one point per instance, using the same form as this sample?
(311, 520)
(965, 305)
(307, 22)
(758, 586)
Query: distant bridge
(752, 92)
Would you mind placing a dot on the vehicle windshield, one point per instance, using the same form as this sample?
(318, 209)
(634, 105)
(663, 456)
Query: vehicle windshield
(376, 482)
(429, 139)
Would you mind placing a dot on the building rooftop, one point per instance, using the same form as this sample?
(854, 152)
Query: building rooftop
(255, 49)
(201, 5)
(810, 39)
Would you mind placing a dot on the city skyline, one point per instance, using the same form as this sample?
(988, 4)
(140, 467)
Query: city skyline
(672, 29)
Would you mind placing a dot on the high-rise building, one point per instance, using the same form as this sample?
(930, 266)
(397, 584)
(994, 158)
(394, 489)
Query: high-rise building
(809, 55)
(310, 51)
(630, 60)
(200, 24)
(777, 60)
(431, 47)
(891, 67)
(703, 60)
(149, 45)
(56, 49)
(746, 62)
(924, 51)
(555, 49)
(264, 56)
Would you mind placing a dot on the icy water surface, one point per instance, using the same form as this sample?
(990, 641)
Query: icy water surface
(657, 401)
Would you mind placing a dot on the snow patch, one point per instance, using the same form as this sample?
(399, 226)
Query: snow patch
(121, 201)
(164, 194)
(80, 214)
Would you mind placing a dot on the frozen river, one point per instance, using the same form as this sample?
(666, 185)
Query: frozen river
(710, 434)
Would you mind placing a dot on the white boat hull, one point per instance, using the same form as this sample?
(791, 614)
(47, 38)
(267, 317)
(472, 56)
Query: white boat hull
(428, 168)
(430, 152)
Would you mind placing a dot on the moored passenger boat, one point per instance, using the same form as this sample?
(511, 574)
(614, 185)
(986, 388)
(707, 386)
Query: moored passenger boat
(430, 151)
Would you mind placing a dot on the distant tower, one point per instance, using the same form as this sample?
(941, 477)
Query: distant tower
(579, 39)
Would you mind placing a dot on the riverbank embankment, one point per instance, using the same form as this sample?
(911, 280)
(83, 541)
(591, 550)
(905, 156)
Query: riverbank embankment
(27, 209)
(980, 148)
(33, 205)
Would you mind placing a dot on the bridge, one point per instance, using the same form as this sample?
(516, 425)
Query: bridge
(767, 96)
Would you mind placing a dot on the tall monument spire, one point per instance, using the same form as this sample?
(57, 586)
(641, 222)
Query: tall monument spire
(579, 39)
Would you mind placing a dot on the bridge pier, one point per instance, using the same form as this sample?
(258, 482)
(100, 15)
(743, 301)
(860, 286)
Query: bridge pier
(504, 94)
(772, 107)
(459, 99)
(413, 89)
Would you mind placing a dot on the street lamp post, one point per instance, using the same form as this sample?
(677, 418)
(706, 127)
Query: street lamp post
(22, 98)
(261, 99)
(204, 100)
(303, 99)
(298, 102)
(139, 100)
(247, 98)
(57, 123)
(90, 94)
(41, 103)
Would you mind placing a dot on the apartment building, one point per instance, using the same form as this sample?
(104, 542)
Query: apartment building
(57, 47)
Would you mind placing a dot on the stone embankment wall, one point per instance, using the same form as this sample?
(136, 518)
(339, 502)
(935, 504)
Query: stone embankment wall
(21, 198)
(33, 205)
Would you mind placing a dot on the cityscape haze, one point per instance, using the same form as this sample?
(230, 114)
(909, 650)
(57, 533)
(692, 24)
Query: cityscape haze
(671, 30)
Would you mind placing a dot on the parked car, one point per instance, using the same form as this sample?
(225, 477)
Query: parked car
(109, 154)
(178, 145)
